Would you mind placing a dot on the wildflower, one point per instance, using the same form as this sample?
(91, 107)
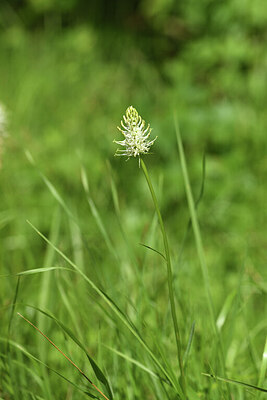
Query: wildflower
(136, 135)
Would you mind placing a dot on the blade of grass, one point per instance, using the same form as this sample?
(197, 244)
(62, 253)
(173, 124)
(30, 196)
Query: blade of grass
(14, 379)
(29, 370)
(68, 305)
(263, 366)
(45, 295)
(195, 225)
(169, 276)
(200, 196)
(188, 347)
(155, 251)
(37, 271)
(116, 310)
(32, 357)
(96, 215)
(77, 243)
(225, 310)
(249, 338)
(199, 246)
(67, 358)
(55, 194)
(99, 374)
(235, 382)
(24, 389)
(13, 309)
(135, 362)
(114, 192)
(50, 186)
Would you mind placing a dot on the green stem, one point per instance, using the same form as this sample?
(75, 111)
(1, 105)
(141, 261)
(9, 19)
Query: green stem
(169, 274)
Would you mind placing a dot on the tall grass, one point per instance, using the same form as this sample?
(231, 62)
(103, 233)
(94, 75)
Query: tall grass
(132, 329)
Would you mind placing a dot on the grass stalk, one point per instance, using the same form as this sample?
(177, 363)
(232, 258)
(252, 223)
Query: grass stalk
(199, 245)
(67, 358)
(169, 276)
(116, 311)
(263, 368)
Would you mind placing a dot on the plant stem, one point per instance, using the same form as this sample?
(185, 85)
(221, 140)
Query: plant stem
(169, 275)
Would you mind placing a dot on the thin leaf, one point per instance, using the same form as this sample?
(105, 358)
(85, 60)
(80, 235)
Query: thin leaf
(30, 371)
(201, 193)
(199, 245)
(46, 290)
(151, 248)
(41, 270)
(31, 356)
(135, 362)
(169, 279)
(99, 374)
(225, 310)
(188, 347)
(37, 271)
(13, 377)
(13, 307)
(50, 186)
(263, 366)
(248, 385)
(67, 358)
(97, 216)
(115, 309)
(203, 179)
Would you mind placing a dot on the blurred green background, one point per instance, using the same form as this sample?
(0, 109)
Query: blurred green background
(68, 71)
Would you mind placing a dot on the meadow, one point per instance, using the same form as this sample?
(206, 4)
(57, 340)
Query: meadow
(158, 297)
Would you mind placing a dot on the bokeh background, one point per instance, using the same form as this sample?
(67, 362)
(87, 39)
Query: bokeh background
(68, 71)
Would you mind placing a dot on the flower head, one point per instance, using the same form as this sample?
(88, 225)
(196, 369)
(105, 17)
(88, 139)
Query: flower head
(136, 135)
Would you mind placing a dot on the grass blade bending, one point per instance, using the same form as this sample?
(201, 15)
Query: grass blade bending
(30, 356)
(117, 311)
(263, 366)
(67, 358)
(228, 380)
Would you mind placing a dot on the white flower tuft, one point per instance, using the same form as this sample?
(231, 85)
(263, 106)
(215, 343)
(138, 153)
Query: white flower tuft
(136, 135)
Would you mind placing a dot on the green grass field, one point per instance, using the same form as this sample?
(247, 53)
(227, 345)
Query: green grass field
(74, 219)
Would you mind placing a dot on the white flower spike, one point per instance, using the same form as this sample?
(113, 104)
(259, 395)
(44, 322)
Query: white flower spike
(136, 135)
